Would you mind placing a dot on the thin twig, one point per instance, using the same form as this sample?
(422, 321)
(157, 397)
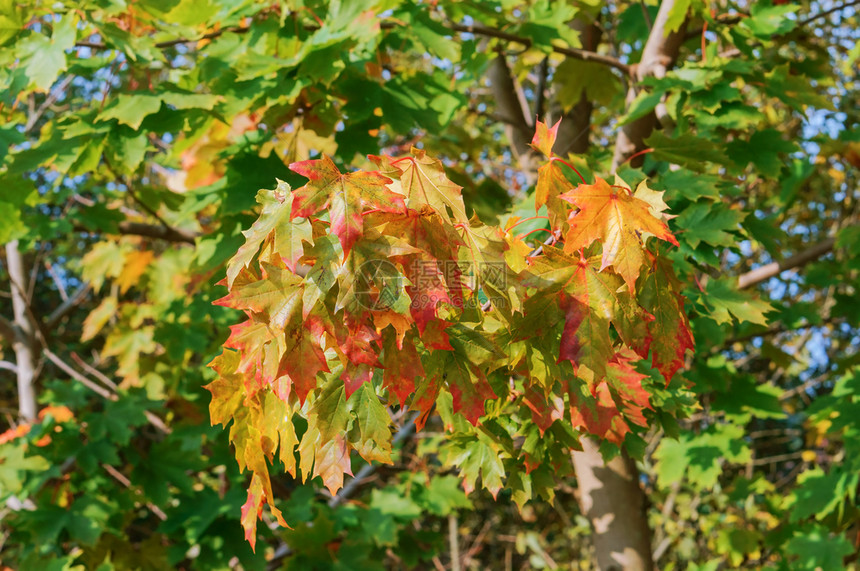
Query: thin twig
(826, 13)
(172, 43)
(61, 287)
(121, 478)
(51, 98)
(64, 308)
(98, 389)
(575, 53)
(94, 372)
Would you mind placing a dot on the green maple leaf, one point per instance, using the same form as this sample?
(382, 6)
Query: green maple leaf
(275, 298)
(274, 223)
(324, 257)
(373, 420)
(371, 277)
(478, 456)
(347, 197)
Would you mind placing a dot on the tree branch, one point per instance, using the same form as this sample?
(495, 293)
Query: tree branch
(172, 43)
(52, 357)
(156, 231)
(575, 53)
(51, 98)
(152, 418)
(478, 30)
(63, 309)
(758, 275)
(826, 13)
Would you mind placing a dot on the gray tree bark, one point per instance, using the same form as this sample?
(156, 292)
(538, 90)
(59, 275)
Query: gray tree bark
(24, 340)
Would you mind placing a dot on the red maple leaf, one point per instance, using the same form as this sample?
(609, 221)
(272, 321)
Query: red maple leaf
(402, 367)
(347, 197)
(302, 360)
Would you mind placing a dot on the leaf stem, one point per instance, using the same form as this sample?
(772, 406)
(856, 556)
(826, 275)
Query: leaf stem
(527, 234)
(518, 222)
(634, 155)
(570, 166)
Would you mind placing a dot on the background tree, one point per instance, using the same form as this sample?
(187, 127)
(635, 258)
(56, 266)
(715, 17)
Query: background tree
(136, 137)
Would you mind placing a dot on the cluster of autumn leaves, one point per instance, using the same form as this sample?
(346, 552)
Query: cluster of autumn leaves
(377, 284)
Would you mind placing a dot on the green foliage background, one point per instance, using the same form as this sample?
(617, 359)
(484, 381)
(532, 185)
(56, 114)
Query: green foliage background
(136, 135)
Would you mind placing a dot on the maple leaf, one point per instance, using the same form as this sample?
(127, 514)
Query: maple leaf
(347, 197)
(627, 384)
(251, 449)
(551, 185)
(323, 256)
(274, 223)
(257, 348)
(615, 400)
(277, 431)
(252, 510)
(543, 413)
(469, 388)
(371, 278)
(616, 219)
(302, 359)
(373, 420)
(400, 323)
(357, 339)
(479, 456)
(424, 400)
(422, 180)
(670, 330)
(327, 458)
(422, 228)
(603, 292)
(597, 413)
(585, 338)
(275, 297)
(402, 367)
(354, 376)
(544, 137)
(226, 389)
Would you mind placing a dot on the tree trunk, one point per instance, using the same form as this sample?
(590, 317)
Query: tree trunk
(613, 501)
(610, 494)
(24, 342)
